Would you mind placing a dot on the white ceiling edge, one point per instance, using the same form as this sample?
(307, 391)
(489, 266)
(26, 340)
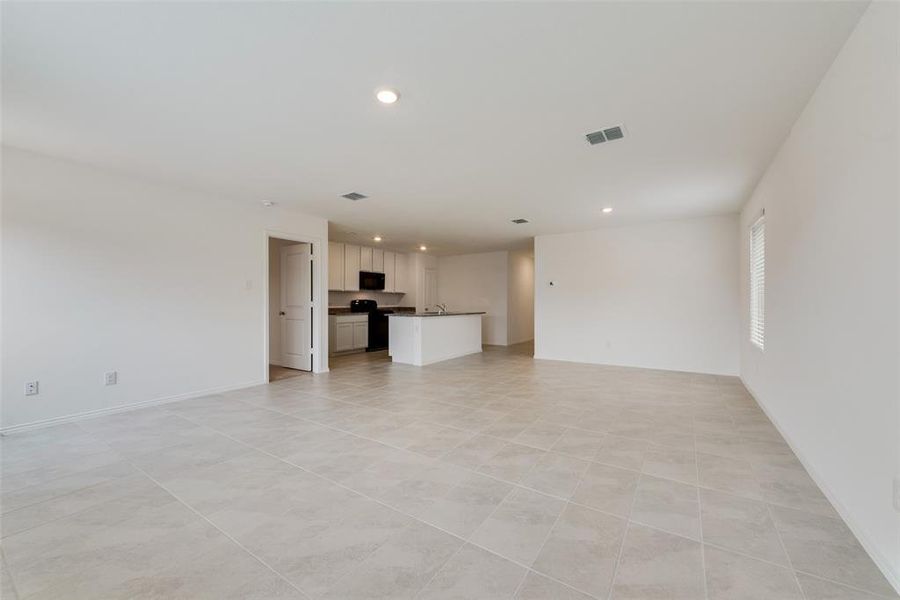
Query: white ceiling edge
(225, 100)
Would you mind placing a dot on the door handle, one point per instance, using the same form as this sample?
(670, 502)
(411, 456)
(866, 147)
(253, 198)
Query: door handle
(281, 313)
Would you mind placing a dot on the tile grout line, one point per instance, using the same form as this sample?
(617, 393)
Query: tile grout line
(700, 524)
(519, 484)
(593, 461)
(754, 468)
(612, 581)
(476, 432)
(12, 581)
(544, 543)
(515, 484)
(64, 495)
(771, 515)
(784, 547)
(382, 503)
(439, 457)
(439, 570)
(553, 527)
(465, 542)
(206, 519)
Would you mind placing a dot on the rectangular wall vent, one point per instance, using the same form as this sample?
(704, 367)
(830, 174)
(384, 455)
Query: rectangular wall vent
(354, 196)
(519, 221)
(607, 134)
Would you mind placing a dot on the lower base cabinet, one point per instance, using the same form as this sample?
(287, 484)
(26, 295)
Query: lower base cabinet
(347, 333)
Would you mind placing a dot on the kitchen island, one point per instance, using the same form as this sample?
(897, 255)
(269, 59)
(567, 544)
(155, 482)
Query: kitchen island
(425, 338)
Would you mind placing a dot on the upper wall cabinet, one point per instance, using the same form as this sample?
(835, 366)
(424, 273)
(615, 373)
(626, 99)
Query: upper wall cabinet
(351, 268)
(377, 260)
(335, 266)
(400, 274)
(345, 261)
(390, 282)
(365, 259)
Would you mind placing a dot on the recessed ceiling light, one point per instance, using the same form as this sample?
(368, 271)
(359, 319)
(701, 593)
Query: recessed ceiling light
(387, 95)
(377, 238)
(268, 203)
(607, 210)
(423, 248)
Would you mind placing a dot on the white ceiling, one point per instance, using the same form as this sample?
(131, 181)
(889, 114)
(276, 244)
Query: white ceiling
(274, 101)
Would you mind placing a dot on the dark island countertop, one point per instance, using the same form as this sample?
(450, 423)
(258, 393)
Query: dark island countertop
(435, 314)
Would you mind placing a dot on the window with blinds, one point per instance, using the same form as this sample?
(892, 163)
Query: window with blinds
(758, 282)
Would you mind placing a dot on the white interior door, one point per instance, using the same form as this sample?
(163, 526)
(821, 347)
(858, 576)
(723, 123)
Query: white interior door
(430, 288)
(296, 307)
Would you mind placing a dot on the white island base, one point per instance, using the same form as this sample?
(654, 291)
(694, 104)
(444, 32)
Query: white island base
(422, 339)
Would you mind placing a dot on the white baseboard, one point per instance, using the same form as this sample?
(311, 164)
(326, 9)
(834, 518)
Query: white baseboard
(125, 407)
(880, 560)
(446, 357)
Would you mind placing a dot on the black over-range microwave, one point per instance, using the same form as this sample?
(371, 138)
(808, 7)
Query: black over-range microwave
(371, 281)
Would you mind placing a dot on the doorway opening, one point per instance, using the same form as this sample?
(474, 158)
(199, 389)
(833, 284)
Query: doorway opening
(292, 314)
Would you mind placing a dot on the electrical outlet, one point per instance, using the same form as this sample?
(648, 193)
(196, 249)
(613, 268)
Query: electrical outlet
(897, 493)
(111, 378)
(31, 388)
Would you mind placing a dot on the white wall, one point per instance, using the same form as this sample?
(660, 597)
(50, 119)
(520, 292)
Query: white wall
(477, 282)
(104, 272)
(661, 295)
(829, 374)
(520, 295)
(416, 263)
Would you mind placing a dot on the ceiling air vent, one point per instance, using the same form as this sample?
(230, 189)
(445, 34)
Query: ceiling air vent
(354, 196)
(596, 138)
(606, 135)
(519, 221)
(614, 133)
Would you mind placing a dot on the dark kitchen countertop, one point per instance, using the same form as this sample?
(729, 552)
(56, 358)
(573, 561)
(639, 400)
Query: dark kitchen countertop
(436, 314)
(345, 310)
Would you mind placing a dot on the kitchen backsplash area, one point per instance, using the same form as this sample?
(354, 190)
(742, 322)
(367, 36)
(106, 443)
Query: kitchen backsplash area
(382, 298)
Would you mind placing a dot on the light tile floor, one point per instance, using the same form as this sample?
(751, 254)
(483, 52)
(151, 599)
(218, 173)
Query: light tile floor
(277, 373)
(490, 476)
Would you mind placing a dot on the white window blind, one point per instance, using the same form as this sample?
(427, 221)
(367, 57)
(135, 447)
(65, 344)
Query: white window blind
(758, 282)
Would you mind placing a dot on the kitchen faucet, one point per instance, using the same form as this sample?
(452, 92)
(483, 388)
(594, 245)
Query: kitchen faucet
(442, 308)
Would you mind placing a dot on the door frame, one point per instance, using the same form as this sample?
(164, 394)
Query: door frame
(319, 318)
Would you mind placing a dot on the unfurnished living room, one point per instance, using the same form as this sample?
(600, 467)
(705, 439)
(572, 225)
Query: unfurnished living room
(450, 300)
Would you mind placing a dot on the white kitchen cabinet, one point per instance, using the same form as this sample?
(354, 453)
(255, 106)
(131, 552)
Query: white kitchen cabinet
(351, 267)
(400, 274)
(345, 261)
(335, 266)
(343, 339)
(360, 335)
(365, 259)
(348, 332)
(377, 260)
(389, 263)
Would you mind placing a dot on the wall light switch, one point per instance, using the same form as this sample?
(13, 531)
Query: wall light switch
(31, 388)
(111, 378)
